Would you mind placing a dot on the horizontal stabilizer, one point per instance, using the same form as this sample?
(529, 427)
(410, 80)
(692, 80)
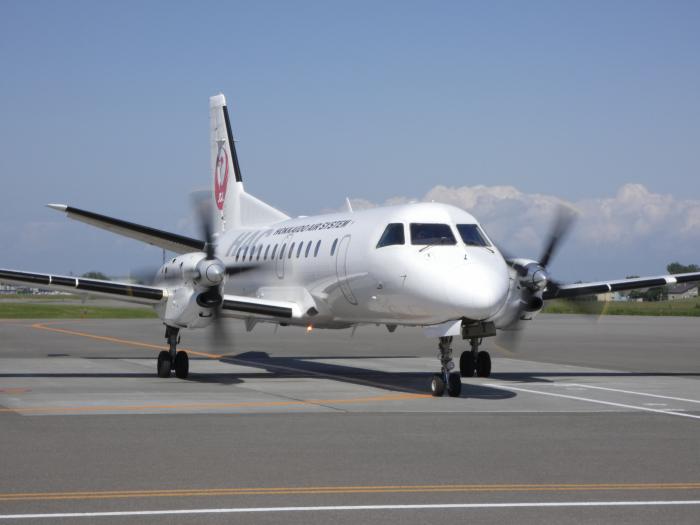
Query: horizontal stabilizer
(166, 240)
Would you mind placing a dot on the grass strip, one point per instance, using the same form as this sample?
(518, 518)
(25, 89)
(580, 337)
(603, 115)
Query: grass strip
(678, 307)
(71, 311)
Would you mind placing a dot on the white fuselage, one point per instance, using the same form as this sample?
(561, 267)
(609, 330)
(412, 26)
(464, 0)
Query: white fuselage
(332, 267)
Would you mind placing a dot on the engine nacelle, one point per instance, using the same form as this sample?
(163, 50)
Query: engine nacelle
(192, 269)
(524, 299)
(192, 282)
(182, 309)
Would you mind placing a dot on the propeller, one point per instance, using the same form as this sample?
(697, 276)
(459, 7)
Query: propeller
(534, 276)
(213, 270)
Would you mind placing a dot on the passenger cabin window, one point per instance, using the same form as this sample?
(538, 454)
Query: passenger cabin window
(291, 250)
(257, 257)
(274, 252)
(284, 246)
(393, 234)
(431, 234)
(308, 248)
(301, 244)
(335, 243)
(318, 247)
(267, 250)
(472, 235)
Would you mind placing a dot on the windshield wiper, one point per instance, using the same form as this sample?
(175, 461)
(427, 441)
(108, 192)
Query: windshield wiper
(441, 240)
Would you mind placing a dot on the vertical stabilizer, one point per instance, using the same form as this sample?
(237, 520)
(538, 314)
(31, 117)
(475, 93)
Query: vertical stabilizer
(228, 183)
(233, 206)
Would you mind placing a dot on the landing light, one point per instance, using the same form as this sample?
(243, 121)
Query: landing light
(309, 328)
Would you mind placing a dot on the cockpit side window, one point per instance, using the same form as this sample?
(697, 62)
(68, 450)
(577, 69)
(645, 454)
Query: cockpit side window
(431, 234)
(393, 234)
(472, 235)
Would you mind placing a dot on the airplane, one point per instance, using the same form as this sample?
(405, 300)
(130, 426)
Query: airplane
(421, 264)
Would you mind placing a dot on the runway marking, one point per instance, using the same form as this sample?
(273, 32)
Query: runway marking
(686, 400)
(356, 489)
(230, 358)
(336, 508)
(589, 400)
(243, 404)
(43, 326)
(14, 390)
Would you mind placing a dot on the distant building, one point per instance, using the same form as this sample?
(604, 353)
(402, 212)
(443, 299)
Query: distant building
(7, 289)
(611, 297)
(682, 291)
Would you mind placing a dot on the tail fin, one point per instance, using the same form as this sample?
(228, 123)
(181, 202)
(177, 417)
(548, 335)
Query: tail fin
(234, 207)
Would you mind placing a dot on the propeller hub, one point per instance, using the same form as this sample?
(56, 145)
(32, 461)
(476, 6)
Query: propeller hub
(211, 272)
(539, 279)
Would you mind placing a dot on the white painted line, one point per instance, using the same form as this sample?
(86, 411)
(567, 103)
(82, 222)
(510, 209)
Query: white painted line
(686, 400)
(438, 506)
(589, 400)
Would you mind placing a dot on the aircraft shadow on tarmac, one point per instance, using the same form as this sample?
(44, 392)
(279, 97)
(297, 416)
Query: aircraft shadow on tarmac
(310, 367)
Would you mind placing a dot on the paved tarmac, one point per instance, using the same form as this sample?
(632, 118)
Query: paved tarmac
(587, 423)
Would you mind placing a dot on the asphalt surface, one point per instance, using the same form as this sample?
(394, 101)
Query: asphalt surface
(587, 423)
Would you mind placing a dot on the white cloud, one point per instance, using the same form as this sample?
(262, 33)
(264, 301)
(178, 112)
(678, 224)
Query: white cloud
(633, 220)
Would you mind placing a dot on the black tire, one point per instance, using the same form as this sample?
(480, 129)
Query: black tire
(454, 385)
(182, 365)
(437, 385)
(164, 364)
(483, 364)
(466, 364)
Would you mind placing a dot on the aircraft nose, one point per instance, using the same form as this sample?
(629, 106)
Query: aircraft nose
(479, 289)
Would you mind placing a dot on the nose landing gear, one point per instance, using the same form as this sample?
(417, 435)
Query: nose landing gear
(471, 362)
(446, 379)
(172, 359)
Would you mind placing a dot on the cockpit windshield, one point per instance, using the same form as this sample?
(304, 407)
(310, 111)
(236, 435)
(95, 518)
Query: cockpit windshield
(393, 234)
(431, 234)
(472, 235)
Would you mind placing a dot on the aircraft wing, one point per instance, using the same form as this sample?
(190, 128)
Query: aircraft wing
(166, 240)
(241, 306)
(123, 292)
(575, 290)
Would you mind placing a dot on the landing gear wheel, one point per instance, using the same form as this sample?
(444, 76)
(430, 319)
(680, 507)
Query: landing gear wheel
(437, 385)
(454, 385)
(466, 364)
(483, 364)
(182, 365)
(164, 364)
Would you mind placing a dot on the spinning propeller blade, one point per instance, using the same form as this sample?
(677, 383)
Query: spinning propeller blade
(561, 226)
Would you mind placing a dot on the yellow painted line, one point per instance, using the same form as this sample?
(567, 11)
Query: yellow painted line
(181, 406)
(357, 489)
(232, 359)
(127, 342)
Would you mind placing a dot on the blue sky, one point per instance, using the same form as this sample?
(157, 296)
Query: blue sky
(104, 106)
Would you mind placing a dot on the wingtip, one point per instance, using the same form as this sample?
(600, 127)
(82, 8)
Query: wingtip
(59, 207)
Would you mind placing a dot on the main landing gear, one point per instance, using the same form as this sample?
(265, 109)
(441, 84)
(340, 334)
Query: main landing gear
(172, 359)
(474, 361)
(446, 379)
